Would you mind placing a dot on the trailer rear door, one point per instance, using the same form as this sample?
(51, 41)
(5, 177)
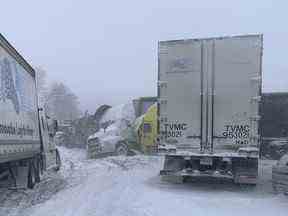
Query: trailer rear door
(236, 92)
(180, 93)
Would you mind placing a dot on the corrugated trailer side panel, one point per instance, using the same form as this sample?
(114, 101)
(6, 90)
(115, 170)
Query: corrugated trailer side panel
(19, 129)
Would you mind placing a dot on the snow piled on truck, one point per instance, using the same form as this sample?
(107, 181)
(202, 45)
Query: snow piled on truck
(115, 120)
(118, 113)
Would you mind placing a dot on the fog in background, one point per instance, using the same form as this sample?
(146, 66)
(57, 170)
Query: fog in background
(106, 51)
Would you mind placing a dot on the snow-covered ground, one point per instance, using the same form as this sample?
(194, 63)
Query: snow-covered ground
(131, 186)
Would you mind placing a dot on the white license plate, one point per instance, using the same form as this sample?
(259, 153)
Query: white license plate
(206, 161)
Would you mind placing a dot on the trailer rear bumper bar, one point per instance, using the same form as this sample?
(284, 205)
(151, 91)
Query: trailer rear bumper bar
(188, 173)
(243, 170)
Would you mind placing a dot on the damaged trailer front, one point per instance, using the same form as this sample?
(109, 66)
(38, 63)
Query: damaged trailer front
(208, 106)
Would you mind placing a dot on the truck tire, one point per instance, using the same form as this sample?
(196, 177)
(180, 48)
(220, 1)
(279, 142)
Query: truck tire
(42, 163)
(31, 175)
(279, 188)
(37, 165)
(275, 187)
(121, 149)
(58, 161)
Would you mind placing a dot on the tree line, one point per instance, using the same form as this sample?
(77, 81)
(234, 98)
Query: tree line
(56, 98)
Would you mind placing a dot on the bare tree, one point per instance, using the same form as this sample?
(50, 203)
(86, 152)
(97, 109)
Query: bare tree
(62, 103)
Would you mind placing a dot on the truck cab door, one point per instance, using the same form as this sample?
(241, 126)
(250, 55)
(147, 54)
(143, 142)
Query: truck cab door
(49, 147)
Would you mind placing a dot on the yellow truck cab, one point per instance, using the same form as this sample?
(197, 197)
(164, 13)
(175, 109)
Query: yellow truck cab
(147, 132)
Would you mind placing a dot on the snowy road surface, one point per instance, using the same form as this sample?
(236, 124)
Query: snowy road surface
(131, 186)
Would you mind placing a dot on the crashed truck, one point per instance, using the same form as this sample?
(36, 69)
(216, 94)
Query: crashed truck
(146, 129)
(115, 135)
(208, 107)
(27, 146)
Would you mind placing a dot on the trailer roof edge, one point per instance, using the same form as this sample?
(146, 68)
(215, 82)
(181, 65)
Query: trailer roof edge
(4, 43)
(210, 38)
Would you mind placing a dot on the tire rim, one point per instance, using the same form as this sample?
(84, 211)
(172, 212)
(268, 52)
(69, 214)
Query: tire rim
(121, 150)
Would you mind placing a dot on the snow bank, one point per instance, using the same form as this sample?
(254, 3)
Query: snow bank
(131, 186)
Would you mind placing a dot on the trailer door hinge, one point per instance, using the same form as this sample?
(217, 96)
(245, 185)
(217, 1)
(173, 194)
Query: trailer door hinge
(162, 101)
(163, 119)
(256, 79)
(162, 84)
(255, 118)
(256, 99)
(255, 137)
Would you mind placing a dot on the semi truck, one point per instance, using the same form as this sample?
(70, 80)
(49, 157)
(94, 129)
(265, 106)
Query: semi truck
(209, 91)
(27, 145)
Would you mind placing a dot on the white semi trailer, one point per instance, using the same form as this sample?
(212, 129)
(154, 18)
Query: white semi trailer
(208, 107)
(26, 137)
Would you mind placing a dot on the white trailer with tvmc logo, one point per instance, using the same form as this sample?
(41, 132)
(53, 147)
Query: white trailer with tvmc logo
(209, 91)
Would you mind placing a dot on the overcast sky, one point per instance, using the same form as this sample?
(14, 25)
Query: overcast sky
(106, 51)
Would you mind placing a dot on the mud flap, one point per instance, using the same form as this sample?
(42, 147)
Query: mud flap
(245, 178)
(245, 171)
(173, 165)
(21, 177)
